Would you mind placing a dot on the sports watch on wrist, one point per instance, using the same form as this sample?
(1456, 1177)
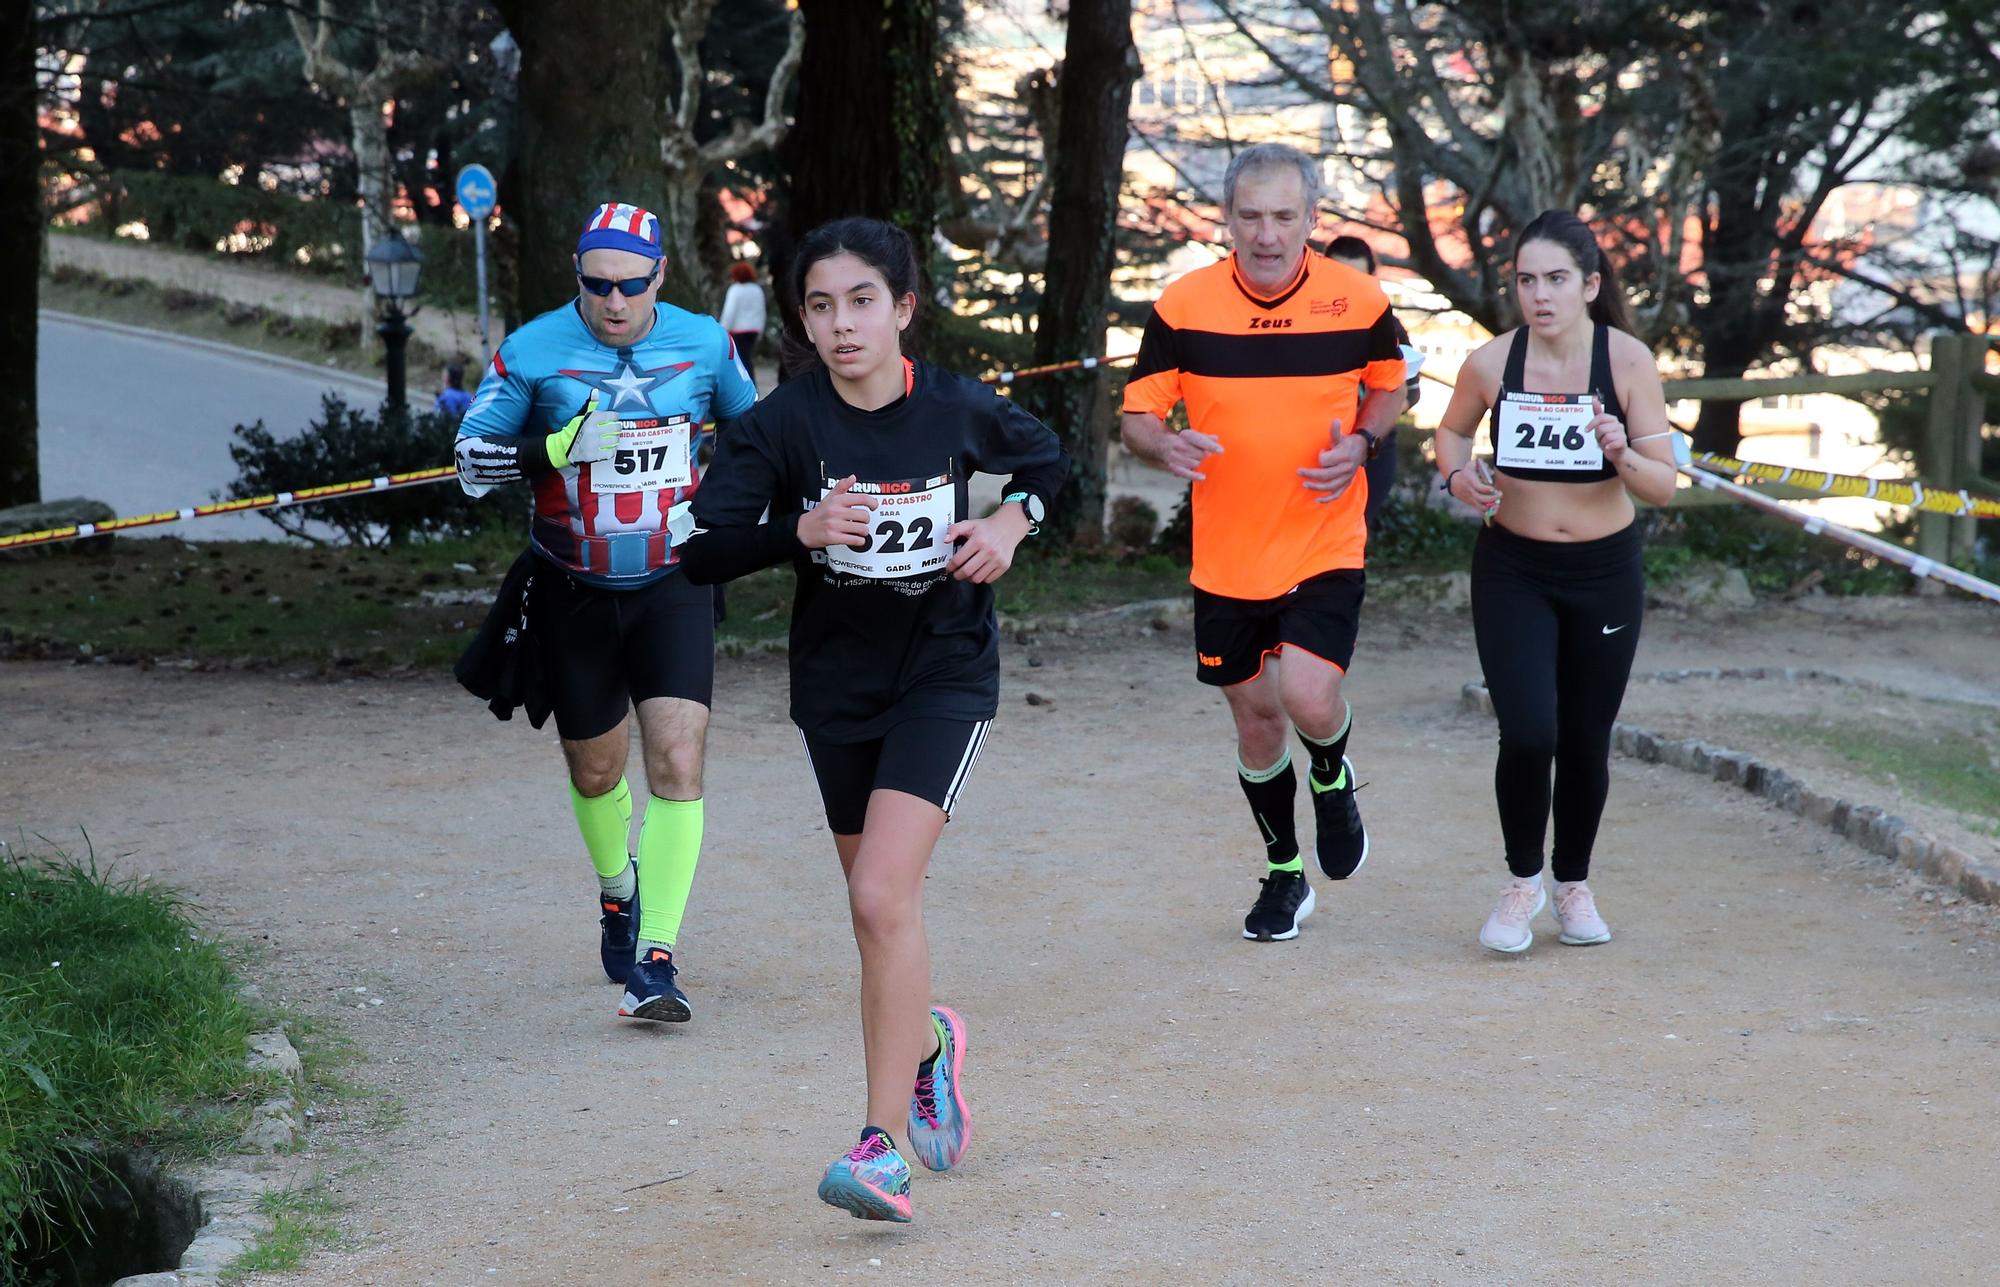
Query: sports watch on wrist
(1374, 443)
(1031, 505)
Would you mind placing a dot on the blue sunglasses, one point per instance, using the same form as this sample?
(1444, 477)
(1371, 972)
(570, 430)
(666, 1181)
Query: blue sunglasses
(626, 286)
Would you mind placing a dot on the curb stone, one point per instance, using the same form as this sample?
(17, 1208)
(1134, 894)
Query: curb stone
(1875, 829)
(226, 1191)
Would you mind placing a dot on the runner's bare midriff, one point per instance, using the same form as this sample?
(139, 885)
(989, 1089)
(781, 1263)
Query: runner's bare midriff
(1563, 511)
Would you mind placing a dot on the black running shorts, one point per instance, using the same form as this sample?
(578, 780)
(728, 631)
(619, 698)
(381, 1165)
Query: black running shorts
(604, 650)
(1321, 616)
(927, 758)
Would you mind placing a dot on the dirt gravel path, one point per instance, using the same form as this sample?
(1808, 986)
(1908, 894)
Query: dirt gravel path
(1783, 1069)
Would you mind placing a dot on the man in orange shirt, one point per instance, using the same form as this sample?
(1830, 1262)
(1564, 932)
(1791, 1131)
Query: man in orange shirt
(1270, 350)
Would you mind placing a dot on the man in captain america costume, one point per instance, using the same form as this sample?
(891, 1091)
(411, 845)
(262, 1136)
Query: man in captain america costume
(599, 406)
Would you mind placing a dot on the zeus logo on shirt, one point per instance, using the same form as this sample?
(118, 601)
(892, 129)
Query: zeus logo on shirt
(1270, 323)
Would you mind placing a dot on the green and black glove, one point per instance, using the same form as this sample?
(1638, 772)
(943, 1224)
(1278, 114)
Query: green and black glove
(592, 436)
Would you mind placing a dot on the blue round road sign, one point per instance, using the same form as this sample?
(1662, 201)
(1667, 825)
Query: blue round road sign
(477, 192)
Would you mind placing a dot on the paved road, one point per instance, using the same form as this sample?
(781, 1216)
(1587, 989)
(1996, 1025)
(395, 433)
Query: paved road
(143, 422)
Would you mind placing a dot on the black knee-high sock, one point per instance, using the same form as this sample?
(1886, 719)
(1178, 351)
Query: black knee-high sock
(1270, 792)
(1326, 756)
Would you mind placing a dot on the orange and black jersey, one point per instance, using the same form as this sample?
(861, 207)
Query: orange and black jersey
(1267, 377)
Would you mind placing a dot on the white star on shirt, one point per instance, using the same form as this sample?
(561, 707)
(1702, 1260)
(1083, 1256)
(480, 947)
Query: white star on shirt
(629, 386)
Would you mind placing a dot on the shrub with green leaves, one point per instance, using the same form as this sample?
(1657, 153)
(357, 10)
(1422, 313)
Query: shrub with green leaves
(1411, 536)
(346, 443)
(1774, 555)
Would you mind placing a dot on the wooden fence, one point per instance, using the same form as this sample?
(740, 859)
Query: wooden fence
(1957, 382)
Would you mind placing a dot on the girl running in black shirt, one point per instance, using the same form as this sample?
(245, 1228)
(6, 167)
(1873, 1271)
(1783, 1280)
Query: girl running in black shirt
(862, 464)
(1579, 427)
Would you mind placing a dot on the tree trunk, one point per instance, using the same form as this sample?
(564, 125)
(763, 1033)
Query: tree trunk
(1095, 89)
(373, 181)
(20, 256)
(680, 220)
(573, 151)
(1738, 234)
(882, 153)
(711, 242)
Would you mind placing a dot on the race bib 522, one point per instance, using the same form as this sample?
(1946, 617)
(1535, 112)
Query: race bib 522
(907, 535)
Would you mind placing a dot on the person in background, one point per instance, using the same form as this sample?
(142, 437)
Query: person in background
(453, 400)
(743, 313)
(1381, 467)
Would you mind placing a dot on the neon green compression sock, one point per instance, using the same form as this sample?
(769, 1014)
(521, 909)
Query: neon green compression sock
(669, 847)
(605, 821)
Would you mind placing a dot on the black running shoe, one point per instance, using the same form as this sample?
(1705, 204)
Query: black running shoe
(1285, 900)
(618, 924)
(651, 993)
(1343, 841)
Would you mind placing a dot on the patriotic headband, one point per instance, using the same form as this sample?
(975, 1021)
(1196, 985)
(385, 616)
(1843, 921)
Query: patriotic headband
(617, 226)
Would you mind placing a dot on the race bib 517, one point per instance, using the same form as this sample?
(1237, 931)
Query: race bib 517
(652, 455)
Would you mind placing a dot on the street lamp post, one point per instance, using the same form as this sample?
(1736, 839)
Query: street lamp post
(393, 267)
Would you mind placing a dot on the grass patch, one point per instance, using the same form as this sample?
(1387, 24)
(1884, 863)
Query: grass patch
(1949, 767)
(340, 610)
(333, 609)
(301, 1221)
(1041, 584)
(118, 1025)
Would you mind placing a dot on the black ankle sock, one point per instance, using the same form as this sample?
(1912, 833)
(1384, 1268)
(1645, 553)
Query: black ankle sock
(1270, 793)
(924, 1069)
(866, 1131)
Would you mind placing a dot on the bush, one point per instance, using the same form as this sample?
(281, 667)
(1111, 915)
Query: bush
(195, 213)
(1774, 555)
(312, 236)
(346, 444)
(1411, 536)
(1133, 523)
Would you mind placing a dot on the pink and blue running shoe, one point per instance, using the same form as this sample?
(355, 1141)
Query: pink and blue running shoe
(940, 1123)
(870, 1182)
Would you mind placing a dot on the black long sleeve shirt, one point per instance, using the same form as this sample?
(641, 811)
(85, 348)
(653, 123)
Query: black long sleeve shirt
(882, 634)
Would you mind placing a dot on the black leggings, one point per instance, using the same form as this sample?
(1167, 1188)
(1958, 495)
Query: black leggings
(1557, 625)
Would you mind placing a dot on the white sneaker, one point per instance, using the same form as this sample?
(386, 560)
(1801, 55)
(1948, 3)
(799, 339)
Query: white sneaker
(1577, 910)
(1506, 930)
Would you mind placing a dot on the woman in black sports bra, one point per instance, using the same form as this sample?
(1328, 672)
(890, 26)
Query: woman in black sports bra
(1579, 426)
